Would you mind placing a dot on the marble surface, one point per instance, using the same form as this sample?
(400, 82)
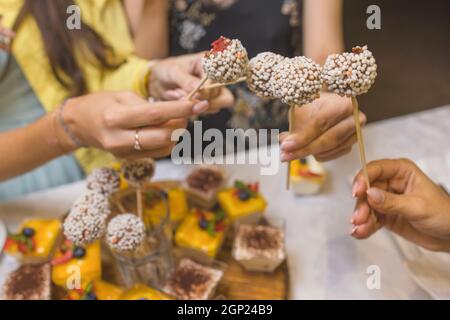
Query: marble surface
(324, 261)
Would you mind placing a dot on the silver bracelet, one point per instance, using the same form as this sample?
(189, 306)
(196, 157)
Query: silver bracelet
(66, 129)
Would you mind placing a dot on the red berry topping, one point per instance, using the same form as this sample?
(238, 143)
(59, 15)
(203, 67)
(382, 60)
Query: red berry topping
(63, 259)
(220, 44)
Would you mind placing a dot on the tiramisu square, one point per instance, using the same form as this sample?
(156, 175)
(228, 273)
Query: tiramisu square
(202, 185)
(28, 282)
(193, 281)
(258, 247)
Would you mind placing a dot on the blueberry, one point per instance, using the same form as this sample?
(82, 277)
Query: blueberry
(28, 232)
(79, 252)
(303, 161)
(91, 296)
(243, 195)
(203, 224)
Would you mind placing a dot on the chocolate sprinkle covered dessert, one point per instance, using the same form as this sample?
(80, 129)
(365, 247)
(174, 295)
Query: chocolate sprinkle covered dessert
(192, 281)
(28, 282)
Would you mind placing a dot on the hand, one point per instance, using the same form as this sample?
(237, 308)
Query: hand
(324, 128)
(405, 201)
(174, 78)
(109, 121)
(5, 34)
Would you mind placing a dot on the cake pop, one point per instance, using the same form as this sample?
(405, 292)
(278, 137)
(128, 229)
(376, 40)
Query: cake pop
(103, 180)
(297, 81)
(125, 233)
(137, 173)
(226, 63)
(97, 202)
(84, 224)
(260, 72)
(351, 74)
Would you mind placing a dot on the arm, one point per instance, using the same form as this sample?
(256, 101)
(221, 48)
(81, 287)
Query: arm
(149, 28)
(29, 147)
(323, 30)
(111, 126)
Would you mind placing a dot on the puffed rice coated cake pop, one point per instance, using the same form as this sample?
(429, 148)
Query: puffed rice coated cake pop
(227, 61)
(98, 203)
(103, 180)
(125, 232)
(350, 73)
(297, 81)
(138, 172)
(260, 72)
(84, 225)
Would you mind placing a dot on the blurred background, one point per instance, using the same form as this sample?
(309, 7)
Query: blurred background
(413, 54)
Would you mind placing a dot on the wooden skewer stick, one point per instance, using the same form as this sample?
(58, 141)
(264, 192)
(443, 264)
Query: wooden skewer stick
(362, 151)
(219, 85)
(120, 206)
(197, 88)
(291, 130)
(139, 203)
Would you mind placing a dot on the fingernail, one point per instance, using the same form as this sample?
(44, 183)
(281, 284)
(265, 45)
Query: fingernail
(353, 231)
(376, 195)
(353, 218)
(285, 157)
(200, 107)
(288, 145)
(355, 189)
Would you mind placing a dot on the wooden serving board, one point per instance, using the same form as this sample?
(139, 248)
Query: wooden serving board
(237, 283)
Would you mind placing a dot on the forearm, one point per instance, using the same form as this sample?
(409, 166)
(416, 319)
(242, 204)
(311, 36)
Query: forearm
(323, 29)
(151, 36)
(29, 147)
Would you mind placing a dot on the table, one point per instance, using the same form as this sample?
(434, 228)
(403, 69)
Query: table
(324, 261)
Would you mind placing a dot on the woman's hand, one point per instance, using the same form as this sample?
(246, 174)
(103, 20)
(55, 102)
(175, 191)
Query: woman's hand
(174, 78)
(6, 35)
(324, 128)
(109, 121)
(405, 201)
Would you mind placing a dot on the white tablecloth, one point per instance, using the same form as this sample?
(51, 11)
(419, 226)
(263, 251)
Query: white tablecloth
(324, 261)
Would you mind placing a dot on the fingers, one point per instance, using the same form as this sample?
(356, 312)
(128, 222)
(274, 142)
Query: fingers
(154, 139)
(148, 114)
(184, 80)
(224, 100)
(129, 98)
(316, 118)
(335, 141)
(388, 203)
(382, 170)
(155, 154)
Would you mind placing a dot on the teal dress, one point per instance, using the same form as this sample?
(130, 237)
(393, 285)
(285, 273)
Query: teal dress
(19, 107)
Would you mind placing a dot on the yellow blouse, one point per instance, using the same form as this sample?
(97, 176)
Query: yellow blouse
(108, 19)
